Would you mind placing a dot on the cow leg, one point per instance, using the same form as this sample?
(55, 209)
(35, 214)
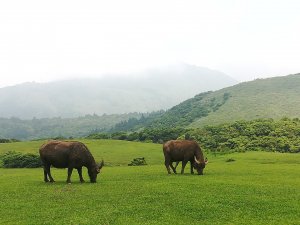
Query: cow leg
(49, 173)
(173, 168)
(80, 174)
(167, 164)
(70, 169)
(45, 175)
(184, 162)
(192, 171)
(177, 164)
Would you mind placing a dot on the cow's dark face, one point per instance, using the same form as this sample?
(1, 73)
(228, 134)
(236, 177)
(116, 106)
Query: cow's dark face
(93, 172)
(199, 167)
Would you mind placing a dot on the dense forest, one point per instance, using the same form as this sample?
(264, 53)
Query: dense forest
(261, 134)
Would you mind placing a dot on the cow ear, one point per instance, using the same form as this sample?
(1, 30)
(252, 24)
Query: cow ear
(206, 161)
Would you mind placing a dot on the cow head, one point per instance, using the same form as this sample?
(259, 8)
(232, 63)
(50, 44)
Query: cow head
(199, 166)
(93, 172)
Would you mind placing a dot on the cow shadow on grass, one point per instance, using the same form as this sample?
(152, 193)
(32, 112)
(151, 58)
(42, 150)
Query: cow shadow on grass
(62, 182)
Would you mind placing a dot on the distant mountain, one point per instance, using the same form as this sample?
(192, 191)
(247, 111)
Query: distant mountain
(147, 91)
(263, 98)
(275, 98)
(14, 128)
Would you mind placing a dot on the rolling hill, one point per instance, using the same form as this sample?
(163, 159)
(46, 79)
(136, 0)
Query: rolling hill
(148, 91)
(262, 98)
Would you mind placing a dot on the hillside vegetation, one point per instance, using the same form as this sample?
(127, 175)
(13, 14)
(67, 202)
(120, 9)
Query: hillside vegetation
(260, 134)
(59, 127)
(275, 98)
(263, 98)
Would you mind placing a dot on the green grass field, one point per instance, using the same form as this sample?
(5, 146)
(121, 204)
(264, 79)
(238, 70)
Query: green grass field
(256, 188)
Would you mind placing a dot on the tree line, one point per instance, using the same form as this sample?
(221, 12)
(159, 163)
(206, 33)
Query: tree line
(261, 134)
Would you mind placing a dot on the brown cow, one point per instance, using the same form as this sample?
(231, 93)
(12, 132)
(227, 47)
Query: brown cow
(68, 154)
(184, 150)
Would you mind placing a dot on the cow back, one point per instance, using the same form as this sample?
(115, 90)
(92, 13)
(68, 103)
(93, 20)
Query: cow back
(61, 154)
(178, 150)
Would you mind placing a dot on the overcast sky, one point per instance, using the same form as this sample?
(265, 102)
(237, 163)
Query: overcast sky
(48, 40)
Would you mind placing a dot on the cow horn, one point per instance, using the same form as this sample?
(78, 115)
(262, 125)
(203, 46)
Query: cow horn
(196, 160)
(101, 164)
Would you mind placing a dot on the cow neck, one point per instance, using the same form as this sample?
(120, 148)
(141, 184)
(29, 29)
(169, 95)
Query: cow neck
(90, 163)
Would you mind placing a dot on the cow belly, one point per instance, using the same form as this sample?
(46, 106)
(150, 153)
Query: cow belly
(58, 162)
(175, 159)
(181, 158)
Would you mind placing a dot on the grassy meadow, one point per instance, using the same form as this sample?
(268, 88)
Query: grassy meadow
(254, 188)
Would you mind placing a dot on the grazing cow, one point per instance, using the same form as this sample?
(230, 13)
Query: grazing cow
(184, 150)
(68, 154)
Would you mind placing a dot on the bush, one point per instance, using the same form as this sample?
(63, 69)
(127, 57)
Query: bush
(261, 134)
(3, 140)
(138, 162)
(99, 136)
(119, 136)
(230, 160)
(14, 159)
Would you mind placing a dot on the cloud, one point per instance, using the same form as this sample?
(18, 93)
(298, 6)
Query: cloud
(42, 41)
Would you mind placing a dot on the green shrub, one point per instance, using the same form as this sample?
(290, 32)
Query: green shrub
(3, 140)
(98, 136)
(14, 159)
(230, 160)
(138, 162)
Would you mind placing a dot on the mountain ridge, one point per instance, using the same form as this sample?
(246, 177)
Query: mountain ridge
(153, 90)
(274, 98)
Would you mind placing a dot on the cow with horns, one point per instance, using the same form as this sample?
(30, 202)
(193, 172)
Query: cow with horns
(185, 151)
(68, 154)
